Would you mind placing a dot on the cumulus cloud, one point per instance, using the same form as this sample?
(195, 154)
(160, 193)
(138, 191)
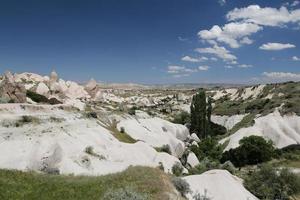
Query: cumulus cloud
(180, 71)
(190, 59)
(276, 46)
(281, 76)
(220, 52)
(228, 67)
(203, 68)
(295, 58)
(266, 16)
(244, 66)
(234, 34)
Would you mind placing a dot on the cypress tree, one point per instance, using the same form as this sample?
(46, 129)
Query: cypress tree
(199, 114)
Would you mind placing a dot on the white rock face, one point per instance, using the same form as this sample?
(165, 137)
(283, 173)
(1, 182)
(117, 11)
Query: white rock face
(42, 89)
(192, 160)
(62, 143)
(227, 121)
(282, 130)
(219, 185)
(195, 137)
(156, 132)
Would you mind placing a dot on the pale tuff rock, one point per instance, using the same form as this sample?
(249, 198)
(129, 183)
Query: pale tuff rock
(53, 77)
(194, 137)
(192, 160)
(61, 145)
(282, 130)
(11, 90)
(42, 89)
(227, 121)
(218, 185)
(156, 132)
(91, 85)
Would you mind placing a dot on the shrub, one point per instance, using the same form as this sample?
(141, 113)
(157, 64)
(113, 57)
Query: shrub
(216, 129)
(182, 118)
(198, 196)
(272, 183)
(177, 169)
(161, 166)
(208, 147)
(126, 193)
(122, 130)
(25, 119)
(252, 150)
(92, 115)
(36, 97)
(205, 165)
(181, 186)
(164, 148)
(132, 110)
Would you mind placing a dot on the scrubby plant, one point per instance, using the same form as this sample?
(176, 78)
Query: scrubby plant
(208, 147)
(181, 186)
(205, 165)
(199, 196)
(182, 118)
(271, 183)
(177, 169)
(126, 193)
(252, 150)
(90, 150)
(132, 110)
(122, 130)
(161, 166)
(26, 119)
(164, 148)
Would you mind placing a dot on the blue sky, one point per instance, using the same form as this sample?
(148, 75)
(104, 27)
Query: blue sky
(153, 41)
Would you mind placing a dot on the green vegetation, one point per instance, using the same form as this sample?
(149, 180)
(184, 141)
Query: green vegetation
(177, 169)
(144, 181)
(270, 183)
(26, 119)
(40, 98)
(208, 148)
(182, 118)
(122, 137)
(90, 150)
(124, 194)
(164, 148)
(199, 121)
(252, 150)
(181, 186)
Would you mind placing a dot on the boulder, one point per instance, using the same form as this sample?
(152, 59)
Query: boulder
(192, 160)
(11, 90)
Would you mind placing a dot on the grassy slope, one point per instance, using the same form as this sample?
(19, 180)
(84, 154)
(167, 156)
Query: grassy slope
(32, 186)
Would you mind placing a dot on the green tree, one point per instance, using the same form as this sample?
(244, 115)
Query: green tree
(198, 114)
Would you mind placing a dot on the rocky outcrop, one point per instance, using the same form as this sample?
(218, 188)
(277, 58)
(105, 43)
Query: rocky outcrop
(9, 89)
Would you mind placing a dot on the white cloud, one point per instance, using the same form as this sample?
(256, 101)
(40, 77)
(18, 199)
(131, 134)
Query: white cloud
(180, 71)
(264, 16)
(220, 52)
(214, 59)
(281, 76)
(295, 58)
(244, 66)
(228, 67)
(234, 34)
(222, 2)
(276, 46)
(295, 3)
(182, 39)
(190, 59)
(203, 68)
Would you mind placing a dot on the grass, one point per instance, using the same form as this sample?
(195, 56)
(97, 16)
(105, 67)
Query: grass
(18, 185)
(122, 137)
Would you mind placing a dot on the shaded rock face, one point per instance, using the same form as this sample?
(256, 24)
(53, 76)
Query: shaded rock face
(9, 89)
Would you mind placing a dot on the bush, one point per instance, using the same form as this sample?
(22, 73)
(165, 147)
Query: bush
(40, 98)
(216, 129)
(124, 194)
(182, 118)
(271, 183)
(92, 115)
(208, 147)
(252, 150)
(198, 196)
(122, 130)
(181, 186)
(132, 110)
(205, 165)
(164, 148)
(177, 169)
